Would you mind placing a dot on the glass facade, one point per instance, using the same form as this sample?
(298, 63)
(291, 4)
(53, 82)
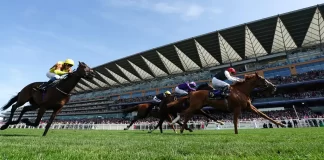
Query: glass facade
(124, 96)
(137, 94)
(165, 89)
(150, 93)
(309, 67)
(277, 72)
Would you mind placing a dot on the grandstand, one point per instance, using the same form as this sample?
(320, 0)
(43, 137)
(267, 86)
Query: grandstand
(287, 49)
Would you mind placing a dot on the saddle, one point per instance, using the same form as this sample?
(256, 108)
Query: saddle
(155, 108)
(180, 95)
(186, 103)
(217, 94)
(44, 86)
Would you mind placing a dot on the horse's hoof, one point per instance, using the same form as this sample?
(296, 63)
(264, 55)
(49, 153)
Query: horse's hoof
(125, 129)
(25, 120)
(149, 132)
(190, 130)
(4, 127)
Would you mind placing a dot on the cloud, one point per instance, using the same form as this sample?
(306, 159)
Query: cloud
(183, 9)
(94, 48)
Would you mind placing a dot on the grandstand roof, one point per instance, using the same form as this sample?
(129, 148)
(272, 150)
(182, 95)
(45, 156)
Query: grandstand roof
(275, 34)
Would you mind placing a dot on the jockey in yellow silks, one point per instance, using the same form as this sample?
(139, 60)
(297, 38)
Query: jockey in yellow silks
(57, 71)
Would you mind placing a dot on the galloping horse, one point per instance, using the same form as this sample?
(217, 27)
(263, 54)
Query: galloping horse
(178, 106)
(55, 98)
(238, 100)
(144, 111)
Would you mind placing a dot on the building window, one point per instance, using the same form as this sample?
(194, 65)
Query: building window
(125, 96)
(309, 67)
(162, 90)
(278, 72)
(137, 94)
(150, 93)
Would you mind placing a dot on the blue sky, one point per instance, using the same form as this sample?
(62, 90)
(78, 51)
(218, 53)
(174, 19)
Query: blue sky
(34, 34)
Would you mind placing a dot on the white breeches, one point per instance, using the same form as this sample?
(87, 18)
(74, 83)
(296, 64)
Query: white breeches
(180, 91)
(219, 83)
(51, 75)
(155, 99)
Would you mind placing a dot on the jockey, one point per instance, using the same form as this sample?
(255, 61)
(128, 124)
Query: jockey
(218, 79)
(158, 98)
(185, 88)
(57, 71)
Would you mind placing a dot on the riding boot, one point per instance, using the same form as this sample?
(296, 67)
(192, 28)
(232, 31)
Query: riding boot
(44, 85)
(224, 91)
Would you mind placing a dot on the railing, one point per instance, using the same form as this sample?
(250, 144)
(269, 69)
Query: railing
(255, 124)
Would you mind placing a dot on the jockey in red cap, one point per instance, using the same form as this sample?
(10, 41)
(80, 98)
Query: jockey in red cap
(218, 79)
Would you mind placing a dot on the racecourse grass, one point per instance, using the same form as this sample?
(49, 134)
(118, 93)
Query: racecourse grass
(298, 143)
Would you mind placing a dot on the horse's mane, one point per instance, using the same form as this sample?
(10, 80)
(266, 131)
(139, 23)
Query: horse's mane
(66, 77)
(246, 78)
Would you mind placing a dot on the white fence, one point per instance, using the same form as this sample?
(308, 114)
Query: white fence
(256, 124)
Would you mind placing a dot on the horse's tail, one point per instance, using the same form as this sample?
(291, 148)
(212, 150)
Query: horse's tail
(130, 109)
(11, 101)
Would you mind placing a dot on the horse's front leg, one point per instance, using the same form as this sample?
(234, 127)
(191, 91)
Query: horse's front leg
(210, 117)
(50, 121)
(158, 125)
(187, 116)
(255, 110)
(132, 122)
(237, 112)
(172, 125)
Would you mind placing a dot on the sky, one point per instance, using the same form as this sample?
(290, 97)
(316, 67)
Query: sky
(35, 34)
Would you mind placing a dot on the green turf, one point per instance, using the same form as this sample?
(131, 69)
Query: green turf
(304, 143)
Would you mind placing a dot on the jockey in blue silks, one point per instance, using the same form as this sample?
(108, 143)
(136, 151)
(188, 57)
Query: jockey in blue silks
(185, 88)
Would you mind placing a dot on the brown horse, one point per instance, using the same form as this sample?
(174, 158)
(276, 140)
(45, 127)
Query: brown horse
(144, 111)
(178, 107)
(238, 100)
(54, 98)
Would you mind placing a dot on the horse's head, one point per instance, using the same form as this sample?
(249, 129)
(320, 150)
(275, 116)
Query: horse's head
(260, 82)
(85, 71)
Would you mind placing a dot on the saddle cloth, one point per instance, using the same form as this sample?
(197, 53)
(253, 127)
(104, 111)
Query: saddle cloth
(217, 94)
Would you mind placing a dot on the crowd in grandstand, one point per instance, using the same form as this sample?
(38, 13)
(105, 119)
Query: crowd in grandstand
(303, 112)
(105, 99)
(309, 54)
(98, 107)
(311, 75)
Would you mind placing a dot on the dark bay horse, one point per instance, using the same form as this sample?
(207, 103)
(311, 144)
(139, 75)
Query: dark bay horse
(144, 111)
(54, 98)
(238, 100)
(179, 105)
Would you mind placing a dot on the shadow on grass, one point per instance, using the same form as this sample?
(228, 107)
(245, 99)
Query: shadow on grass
(177, 134)
(17, 135)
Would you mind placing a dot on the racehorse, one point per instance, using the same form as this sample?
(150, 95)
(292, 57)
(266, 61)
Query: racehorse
(143, 111)
(178, 106)
(238, 99)
(54, 97)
